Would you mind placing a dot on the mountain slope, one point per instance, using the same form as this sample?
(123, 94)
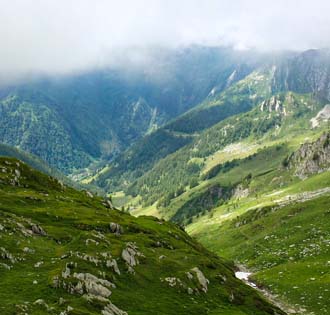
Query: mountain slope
(279, 221)
(35, 162)
(63, 251)
(262, 126)
(142, 157)
(305, 74)
(73, 121)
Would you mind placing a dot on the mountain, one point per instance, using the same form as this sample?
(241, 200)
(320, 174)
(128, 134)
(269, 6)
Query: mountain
(200, 132)
(252, 186)
(275, 224)
(67, 251)
(243, 168)
(73, 121)
(141, 157)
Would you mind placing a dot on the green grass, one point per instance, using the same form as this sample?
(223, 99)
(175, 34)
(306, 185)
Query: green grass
(77, 227)
(288, 248)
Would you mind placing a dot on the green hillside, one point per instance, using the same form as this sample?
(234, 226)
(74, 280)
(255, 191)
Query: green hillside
(276, 224)
(69, 252)
(285, 247)
(261, 127)
(77, 120)
(279, 98)
(35, 162)
(132, 164)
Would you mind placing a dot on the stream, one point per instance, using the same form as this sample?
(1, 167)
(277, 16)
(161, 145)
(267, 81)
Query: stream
(244, 275)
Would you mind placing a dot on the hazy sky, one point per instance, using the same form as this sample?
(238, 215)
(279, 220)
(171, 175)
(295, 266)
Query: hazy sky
(59, 36)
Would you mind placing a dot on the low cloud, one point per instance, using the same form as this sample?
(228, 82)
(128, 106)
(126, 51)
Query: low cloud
(64, 36)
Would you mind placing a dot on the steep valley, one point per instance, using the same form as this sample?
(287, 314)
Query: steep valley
(221, 165)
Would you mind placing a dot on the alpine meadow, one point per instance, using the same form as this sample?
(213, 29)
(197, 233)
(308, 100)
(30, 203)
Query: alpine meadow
(164, 157)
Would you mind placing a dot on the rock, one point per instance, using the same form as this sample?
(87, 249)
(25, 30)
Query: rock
(113, 263)
(89, 194)
(41, 303)
(130, 254)
(322, 115)
(311, 158)
(89, 240)
(201, 279)
(38, 264)
(112, 309)
(189, 275)
(92, 285)
(56, 282)
(173, 281)
(240, 192)
(116, 228)
(274, 104)
(17, 173)
(107, 203)
(66, 272)
(61, 301)
(37, 229)
(91, 297)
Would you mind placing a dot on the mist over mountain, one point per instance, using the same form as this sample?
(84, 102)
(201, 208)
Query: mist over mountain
(164, 157)
(56, 38)
(100, 113)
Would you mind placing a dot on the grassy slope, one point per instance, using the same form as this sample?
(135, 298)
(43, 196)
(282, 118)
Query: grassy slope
(249, 132)
(286, 247)
(78, 234)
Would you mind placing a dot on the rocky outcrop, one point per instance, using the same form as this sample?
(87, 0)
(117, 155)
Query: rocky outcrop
(112, 309)
(113, 264)
(201, 279)
(116, 228)
(311, 158)
(240, 192)
(108, 204)
(274, 104)
(322, 115)
(37, 229)
(130, 255)
(93, 285)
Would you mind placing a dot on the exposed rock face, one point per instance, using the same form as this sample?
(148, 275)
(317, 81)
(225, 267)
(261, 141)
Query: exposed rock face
(113, 264)
(92, 285)
(116, 228)
(312, 158)
(107, 203)
(201, 278)
(37, 229)
(240, 192)
(173, 281)
(322, 115)
(112, 309)
(312, 67)
(89, 194)
(274, 104)
(130, 255)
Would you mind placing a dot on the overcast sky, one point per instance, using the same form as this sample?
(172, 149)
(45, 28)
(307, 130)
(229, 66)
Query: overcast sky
(60, 36)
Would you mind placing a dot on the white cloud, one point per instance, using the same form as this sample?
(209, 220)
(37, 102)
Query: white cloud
(60, 36)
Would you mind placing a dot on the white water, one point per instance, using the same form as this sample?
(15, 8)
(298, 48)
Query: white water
(245, 277)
